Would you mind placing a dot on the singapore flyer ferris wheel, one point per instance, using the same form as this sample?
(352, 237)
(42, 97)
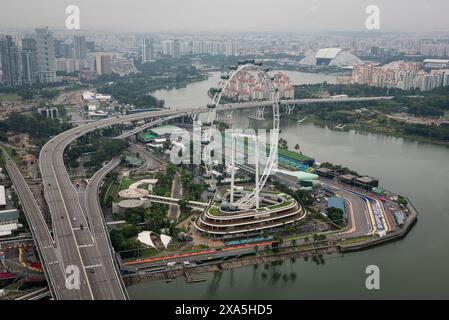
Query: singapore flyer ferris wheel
(249, 200)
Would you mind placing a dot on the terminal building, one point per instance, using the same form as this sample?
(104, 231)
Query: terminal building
(159, 134)
(295, 161)
(281, 211)
(362, 182)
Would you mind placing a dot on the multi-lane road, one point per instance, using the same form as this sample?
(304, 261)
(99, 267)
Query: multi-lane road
(83, 244)
(41, 234)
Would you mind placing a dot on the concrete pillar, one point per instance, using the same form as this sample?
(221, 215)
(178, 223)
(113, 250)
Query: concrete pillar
(257, 171)
(232, 166)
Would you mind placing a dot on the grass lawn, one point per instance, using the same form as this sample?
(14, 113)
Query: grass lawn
(214, 211)
(112, 190)
(280, 205)
(126, 182)
(353, 240)
(10, 97)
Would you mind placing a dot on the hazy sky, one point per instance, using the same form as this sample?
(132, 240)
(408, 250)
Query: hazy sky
(227, 15)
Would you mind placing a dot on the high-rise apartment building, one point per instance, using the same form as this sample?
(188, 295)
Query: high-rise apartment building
(147, 50)
(171, 48)
(231, 48)
(103, 63)
(11, 62)
(176, 49)
(29, 68)
(167, 47)
(79, 47)
(45, 55)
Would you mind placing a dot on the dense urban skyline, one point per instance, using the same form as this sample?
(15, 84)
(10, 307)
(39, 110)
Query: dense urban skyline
(201, 15)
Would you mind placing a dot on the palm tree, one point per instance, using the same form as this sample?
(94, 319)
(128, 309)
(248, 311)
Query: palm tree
(297, 147)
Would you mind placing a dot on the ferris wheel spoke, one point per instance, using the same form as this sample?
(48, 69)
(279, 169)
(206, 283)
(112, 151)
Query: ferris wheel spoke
(249, 199)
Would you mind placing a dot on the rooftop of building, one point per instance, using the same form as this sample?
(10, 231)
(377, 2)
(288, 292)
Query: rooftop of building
(336, 202)
(328, 53)
(365, 179)
(9, 215)
(294, 154)
(165, 130)
(348, 177)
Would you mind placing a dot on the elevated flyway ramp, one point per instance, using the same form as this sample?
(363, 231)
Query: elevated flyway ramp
(75, 243)
(177, 113)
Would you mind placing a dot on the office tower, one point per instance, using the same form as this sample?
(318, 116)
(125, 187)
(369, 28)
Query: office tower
(63, 50)
(103, 63)
(29, 61)
(147, 49)
(79, 47)
(59, 49)
(45, 55)
(11, 62)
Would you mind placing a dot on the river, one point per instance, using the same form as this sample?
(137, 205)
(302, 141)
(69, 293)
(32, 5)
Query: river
(415, 267)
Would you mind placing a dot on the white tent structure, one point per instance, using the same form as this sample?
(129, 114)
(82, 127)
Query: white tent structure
(165, 240)
(145, 238)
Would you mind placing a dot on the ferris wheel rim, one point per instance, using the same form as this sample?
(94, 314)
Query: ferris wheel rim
(211, 118)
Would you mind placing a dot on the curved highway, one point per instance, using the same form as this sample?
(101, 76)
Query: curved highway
(76, 243)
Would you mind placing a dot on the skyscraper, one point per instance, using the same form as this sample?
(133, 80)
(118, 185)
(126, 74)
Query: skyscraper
(103, 64)
(11, 62)
(29, 61)
(45, 55)
(176, 49)
(147, 49)
(167, 47)
(79, 47)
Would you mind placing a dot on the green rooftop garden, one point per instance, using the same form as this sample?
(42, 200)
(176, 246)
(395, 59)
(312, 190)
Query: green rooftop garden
(293, 154)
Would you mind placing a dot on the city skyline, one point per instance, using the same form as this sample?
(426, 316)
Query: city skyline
(260, 149)
(286, 16)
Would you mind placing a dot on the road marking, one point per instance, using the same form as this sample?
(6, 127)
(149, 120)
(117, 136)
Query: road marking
(86, 245)
(93, 266)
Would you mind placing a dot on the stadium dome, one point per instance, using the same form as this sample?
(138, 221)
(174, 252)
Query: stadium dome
(333, 57)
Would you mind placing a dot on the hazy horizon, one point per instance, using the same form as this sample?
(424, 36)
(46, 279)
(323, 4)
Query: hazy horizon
(230, 16)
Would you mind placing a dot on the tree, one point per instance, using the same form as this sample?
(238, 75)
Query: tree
(297, 147)
(183, 205)
(402, 201)
(335, 215)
